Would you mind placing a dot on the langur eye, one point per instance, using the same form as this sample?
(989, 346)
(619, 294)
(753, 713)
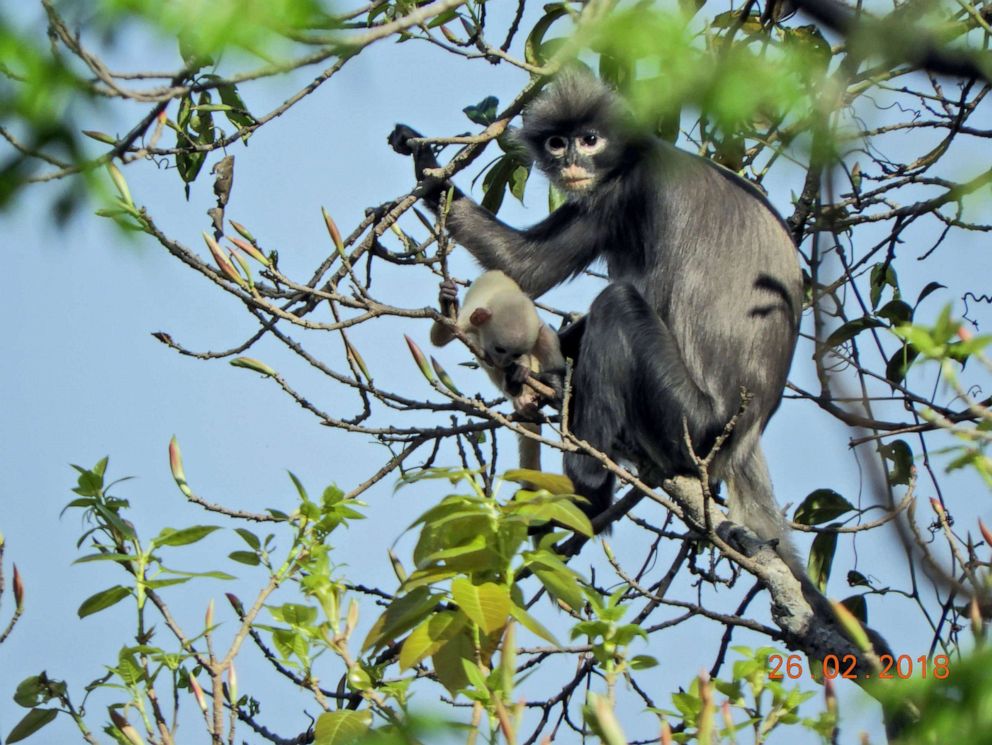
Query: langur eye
(518, 355)
(590, 143)
(556, 144)
(499, 350)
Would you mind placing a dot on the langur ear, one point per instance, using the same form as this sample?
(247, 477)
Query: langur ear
(480, 317)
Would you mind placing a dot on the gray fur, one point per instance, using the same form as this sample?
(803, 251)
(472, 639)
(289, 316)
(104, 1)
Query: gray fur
(704, 300)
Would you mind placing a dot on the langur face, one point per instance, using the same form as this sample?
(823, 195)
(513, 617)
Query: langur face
(502, 357)
(570, 160)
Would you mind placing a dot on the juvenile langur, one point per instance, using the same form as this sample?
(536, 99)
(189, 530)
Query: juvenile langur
(704, 297)
(503, 321)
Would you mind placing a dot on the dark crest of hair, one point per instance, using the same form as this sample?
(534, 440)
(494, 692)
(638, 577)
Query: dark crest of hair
(576, 99)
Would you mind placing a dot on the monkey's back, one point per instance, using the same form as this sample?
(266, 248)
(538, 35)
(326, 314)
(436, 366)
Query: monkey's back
(725, 278)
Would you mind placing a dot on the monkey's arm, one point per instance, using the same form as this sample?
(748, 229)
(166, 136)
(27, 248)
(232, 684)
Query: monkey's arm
(538, 258)
(549, 357)
(556, 249)
(547, 350)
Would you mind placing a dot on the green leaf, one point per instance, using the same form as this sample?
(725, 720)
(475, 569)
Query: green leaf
(238, 114)
(858, 606)
(296, 614)
(921, 339)
(156, 584)
(89, 483)
(128, 668)
(402, 615)
(518, 181)
(688, 705)
(568, 514)
(821, 558)
(36, 690)
(821, 506)
(447, 662)
(247, 558)
(341, 727)
(188, 164)
(962, 350)
(484, 112)
(809, 41)
(33, 721)
(102, 600)
(899, 363)
(211, 574)
(563, 586)
(103, 557)
(532, 624)
(101, 466)
(897, 312)
(290, 642)
(643, 662)
(474, 675)
(928, 290)
(496, 181)
(250, 538)
(192, 128)
(851, 329)
(442, 18)
(299, 487)
(475, 545)
(487, 605)
(429, 576)
(184, 536)
(533, 52)
(554, 482)
(432, 634)
(883, 274)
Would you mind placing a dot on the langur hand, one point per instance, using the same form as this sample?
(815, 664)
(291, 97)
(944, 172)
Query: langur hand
(527, 403)
(554, 379)
(514, 376)
(423, 155)
(397, 139)
(448, 298)
(517, 374)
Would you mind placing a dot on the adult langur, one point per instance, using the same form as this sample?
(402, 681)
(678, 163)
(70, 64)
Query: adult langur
(704, 297)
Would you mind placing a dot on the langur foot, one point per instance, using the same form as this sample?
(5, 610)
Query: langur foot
(744, 539)
(448, 298)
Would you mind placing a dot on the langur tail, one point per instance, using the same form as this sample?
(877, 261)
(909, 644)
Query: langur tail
(529, 449)
(752, 504)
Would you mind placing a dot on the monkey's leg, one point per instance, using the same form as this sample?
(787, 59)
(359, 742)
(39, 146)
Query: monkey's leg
(570, 338)
(632, 388)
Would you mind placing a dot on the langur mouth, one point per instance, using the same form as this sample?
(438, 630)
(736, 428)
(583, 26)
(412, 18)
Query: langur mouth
(576, 184)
